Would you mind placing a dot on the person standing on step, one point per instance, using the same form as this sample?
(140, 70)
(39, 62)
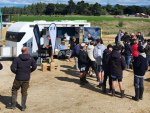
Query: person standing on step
(22, 66)
(117, 65)
(49, 47)
(106, 67)
(140, 67)
(83, 63)
(98, 55)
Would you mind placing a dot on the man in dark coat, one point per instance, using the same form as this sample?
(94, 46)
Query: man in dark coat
(22, 66)
(140, 66)
(106, 67)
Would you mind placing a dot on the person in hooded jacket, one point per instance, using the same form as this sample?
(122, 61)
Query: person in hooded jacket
(147, 50)
(127, 53)
(98, 55)
(22, 66)
(118, 64)
(140, 67)
(92, 61)
(83, 63)
(106, 67)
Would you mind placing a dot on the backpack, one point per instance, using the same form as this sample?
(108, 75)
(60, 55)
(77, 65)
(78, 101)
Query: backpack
(106, 57)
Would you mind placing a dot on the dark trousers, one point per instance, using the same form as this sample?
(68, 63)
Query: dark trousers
(24, 85)
(138, 82)
(93, 65)
(107, 74)
(148, 59)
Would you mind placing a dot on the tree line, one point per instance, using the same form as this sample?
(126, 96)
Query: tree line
(81, 8)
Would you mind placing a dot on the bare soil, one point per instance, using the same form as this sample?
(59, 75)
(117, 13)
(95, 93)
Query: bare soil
(60, 92)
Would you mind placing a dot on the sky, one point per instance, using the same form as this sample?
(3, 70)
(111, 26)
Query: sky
(21, 3)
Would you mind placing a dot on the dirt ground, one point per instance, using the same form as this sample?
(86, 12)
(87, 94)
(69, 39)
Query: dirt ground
(60, 92)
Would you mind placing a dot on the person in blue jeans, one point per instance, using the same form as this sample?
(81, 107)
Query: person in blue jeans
(127, 53)
(140, 67)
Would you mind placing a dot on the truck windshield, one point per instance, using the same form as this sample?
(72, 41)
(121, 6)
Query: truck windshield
(14, 36)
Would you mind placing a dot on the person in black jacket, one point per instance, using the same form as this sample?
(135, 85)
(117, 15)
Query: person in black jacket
(22, 66)
(117, 66)
(140, 66)
(1, 66)
(127, 53)
(83, 63)
(106, 67)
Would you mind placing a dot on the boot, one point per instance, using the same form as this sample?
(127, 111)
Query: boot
(84, 79)
(110, 89)
(81, 81)
(113, 92)
(104, 89)
(23, 103)
(13, 102)
(122, 93)
(141, 93)
(136, 98)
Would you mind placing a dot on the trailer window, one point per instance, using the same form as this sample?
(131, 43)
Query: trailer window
(14, 36)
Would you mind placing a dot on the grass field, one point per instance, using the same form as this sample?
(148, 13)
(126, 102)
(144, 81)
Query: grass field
(109, 24)
(88, 18)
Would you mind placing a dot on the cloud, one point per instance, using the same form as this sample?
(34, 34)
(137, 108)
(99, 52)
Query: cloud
(9, 3)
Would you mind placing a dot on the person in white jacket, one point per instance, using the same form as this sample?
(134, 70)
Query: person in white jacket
(92, 62)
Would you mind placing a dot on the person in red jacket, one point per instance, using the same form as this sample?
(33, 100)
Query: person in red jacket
(135, 52)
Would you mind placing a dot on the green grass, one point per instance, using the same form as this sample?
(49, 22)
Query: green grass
(88, 18)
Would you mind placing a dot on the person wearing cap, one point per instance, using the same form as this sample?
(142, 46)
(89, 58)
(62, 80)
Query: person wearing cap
(127, 53)
(106, 67)
(140, 67)
(117, 65)
(83, 61)
(98, 55)
(49, 47)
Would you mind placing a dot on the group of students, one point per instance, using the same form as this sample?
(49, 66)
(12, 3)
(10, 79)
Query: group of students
(111, 61)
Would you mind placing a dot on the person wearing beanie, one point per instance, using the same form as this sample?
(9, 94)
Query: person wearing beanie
(83, 61)
(106, 67)
(98, 55)
(117, 65)
(140, 66)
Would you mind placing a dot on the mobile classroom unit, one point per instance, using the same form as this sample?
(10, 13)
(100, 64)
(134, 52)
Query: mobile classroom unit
(21, 34)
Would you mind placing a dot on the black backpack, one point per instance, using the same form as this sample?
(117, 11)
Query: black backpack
(106, 57)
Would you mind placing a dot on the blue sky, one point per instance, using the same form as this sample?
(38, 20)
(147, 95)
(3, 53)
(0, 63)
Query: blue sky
(10, 3)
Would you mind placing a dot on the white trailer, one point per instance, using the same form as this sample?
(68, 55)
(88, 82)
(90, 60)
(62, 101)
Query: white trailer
(21, 34)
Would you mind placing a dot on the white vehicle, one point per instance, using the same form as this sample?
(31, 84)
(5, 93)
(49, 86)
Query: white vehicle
(21, 34)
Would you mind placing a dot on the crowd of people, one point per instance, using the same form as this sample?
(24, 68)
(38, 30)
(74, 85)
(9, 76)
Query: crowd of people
(93, 56)
(131, 52)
